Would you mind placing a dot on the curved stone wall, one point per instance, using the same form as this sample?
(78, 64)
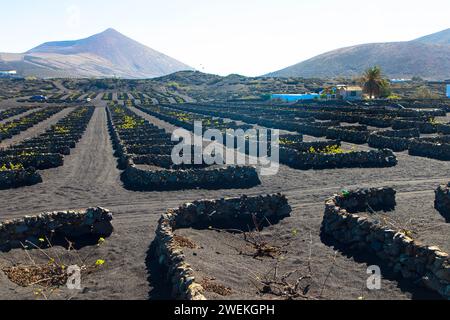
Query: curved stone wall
(352, 134)
(396, 140)
(37, 161)
(70, 224)
(442, 200)
(407, 257)
(232, 213)
(19, 178)
(360, 159)
(165, 179)
(430, 148)
(168, 176)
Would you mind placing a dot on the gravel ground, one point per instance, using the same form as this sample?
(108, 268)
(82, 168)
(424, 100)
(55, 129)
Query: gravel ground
(90, 177)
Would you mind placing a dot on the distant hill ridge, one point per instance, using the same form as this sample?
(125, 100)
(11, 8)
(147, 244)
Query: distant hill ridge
(106, 54)
(427, 57)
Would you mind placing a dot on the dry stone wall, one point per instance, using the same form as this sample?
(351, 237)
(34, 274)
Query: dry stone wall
(161, 174)
(442, 201)
(407, 257)
(224, 213)
(70, 224)
(19, 178)
(362, 159)
(434, 148)
(352, 134)
(135, 178)
(396, 140)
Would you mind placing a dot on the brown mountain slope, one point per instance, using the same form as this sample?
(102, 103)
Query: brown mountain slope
(102, 55)
(442, 37)
(428, 57)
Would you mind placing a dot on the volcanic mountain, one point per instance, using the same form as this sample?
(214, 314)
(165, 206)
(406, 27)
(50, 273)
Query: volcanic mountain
(427, 57)
(106, 54)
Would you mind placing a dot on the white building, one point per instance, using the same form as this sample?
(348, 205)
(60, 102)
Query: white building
(6, 74)
(345, 92)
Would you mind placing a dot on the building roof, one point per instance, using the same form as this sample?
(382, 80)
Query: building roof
(348, 87)
(354, 88)
(8, 72)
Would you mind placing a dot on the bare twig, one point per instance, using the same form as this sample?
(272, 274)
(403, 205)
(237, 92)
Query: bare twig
(329, 274)
(40, 250)
(310, 252)
(54, 251)
(26, 251)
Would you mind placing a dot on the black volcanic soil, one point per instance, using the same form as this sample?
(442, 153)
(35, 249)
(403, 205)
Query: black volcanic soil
(36, 129)
(229, 259)
(89, 177)
(415, 213)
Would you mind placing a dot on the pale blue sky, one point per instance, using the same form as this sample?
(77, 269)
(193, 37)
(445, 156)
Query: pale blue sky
(250, 37)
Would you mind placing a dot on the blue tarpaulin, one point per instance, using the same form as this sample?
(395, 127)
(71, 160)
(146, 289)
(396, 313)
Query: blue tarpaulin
(295, 97)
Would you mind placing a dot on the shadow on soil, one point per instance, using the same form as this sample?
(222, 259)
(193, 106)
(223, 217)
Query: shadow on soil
(156, 276)
(445, 215)
(76, 243)
(417, 292)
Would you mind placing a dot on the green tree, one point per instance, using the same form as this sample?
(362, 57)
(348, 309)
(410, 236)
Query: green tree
(374, 84)
(386, 90)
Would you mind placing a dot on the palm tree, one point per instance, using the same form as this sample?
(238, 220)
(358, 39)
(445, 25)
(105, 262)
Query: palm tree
(373, 82)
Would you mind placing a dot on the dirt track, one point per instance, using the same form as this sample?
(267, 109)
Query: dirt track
(89, 177)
